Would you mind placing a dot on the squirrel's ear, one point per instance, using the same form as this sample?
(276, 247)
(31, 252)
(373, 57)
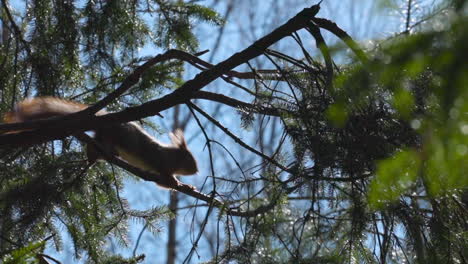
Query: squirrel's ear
(177, 138)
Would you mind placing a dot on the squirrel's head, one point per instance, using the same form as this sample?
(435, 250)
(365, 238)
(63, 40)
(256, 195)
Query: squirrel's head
(187, 163)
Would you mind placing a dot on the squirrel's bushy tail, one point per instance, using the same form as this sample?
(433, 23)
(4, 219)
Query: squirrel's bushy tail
(40, 108)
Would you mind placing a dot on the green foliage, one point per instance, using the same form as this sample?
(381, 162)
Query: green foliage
(423, 77)
(394, 176)
(24, 255)
(435, 107)
(403, 101)
(337, 114)
(118, 259)
(175, 23)
(421, 81)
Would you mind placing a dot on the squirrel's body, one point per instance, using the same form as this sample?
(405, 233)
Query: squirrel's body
(127, 140)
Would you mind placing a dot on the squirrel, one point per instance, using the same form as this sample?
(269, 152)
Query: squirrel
(129, 141)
